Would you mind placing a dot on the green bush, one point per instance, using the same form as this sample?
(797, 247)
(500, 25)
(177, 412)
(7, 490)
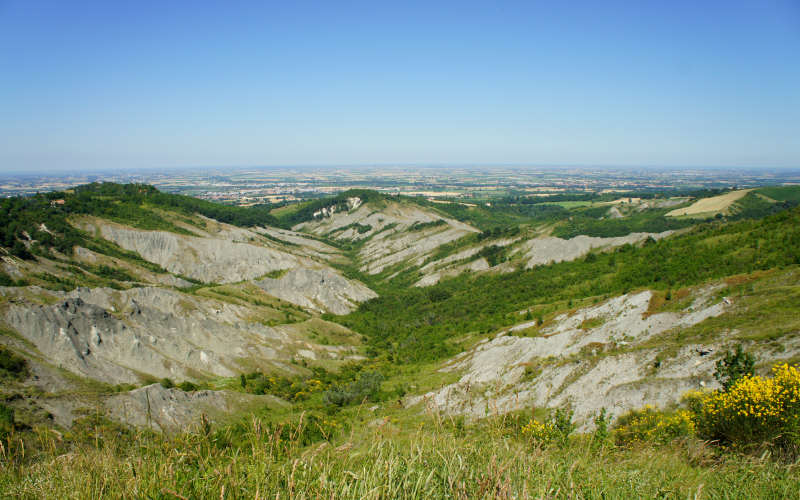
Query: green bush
(6, 420)
(112, 273)
(187, 386)
(12, 365)
(367, 386)
(733, 367)
(555, 429)
(601, 423)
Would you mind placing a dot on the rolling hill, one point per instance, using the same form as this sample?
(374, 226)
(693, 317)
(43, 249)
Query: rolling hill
(123, 308)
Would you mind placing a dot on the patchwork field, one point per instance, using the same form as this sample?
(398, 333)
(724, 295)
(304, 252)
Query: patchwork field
(710, 206)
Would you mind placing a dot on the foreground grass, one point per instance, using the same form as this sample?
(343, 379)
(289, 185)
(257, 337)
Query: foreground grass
(383, 460)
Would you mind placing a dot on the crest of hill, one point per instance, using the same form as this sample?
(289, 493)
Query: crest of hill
(120, 236)
(388, 233)
(742, 203)
(44, 217)
(305, 211)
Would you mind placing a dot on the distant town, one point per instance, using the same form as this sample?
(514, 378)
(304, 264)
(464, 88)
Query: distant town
(273, 185)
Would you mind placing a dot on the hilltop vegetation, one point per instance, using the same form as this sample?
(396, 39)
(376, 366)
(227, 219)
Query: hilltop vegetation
(592, 222)
(306, 210)
(44, 217)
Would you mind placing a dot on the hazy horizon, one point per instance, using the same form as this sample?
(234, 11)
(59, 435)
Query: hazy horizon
(388, 166)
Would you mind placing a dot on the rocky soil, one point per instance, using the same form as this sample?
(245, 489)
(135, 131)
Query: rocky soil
(303, 244)
(548, 249)
(170, 410)
(227, 257)
(587, 360)
(119, 335)
(318, 290)
(390, 233)
(460, 262)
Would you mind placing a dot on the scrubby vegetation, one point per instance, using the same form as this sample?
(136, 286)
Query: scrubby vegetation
(413, 324)
(754, 410)
(753, 206)
(651, 426)
(593, 222)
(307, 210)
(316, 456)
(734, 366)
(38, 223)
(137, 204)
(12, 365)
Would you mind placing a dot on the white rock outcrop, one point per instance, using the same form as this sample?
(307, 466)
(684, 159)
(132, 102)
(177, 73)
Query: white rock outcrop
(320, 290)
(549, 249)
(168, 410)
(217, 259)
(562, 365)
(392, 231)
(119, 335)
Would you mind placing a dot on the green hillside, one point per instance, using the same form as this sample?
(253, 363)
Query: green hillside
(417, 324)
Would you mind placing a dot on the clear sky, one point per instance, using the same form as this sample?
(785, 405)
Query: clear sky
(109, 84)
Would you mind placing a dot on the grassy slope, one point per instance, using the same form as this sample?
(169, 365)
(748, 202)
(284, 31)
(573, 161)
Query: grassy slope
(424, 458)
(415, 324)
(773, 294)
(781, 193)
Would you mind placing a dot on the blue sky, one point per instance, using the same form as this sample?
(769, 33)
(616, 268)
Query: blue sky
(86, 85)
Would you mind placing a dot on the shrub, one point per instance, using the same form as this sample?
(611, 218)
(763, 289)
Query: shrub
(187, 386)
(112, 273)
(6, 420)
(556, 428)
(167, 383)
(754, 410)
(648, 425)
(293, 389)
(601, 422)
(12, 365)
(539, 433)
(367, 386)
(733, 367)
(6, 280)
(20, 250)
(562, 421)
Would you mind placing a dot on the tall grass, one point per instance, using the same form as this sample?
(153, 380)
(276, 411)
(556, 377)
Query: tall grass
(434, 458)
